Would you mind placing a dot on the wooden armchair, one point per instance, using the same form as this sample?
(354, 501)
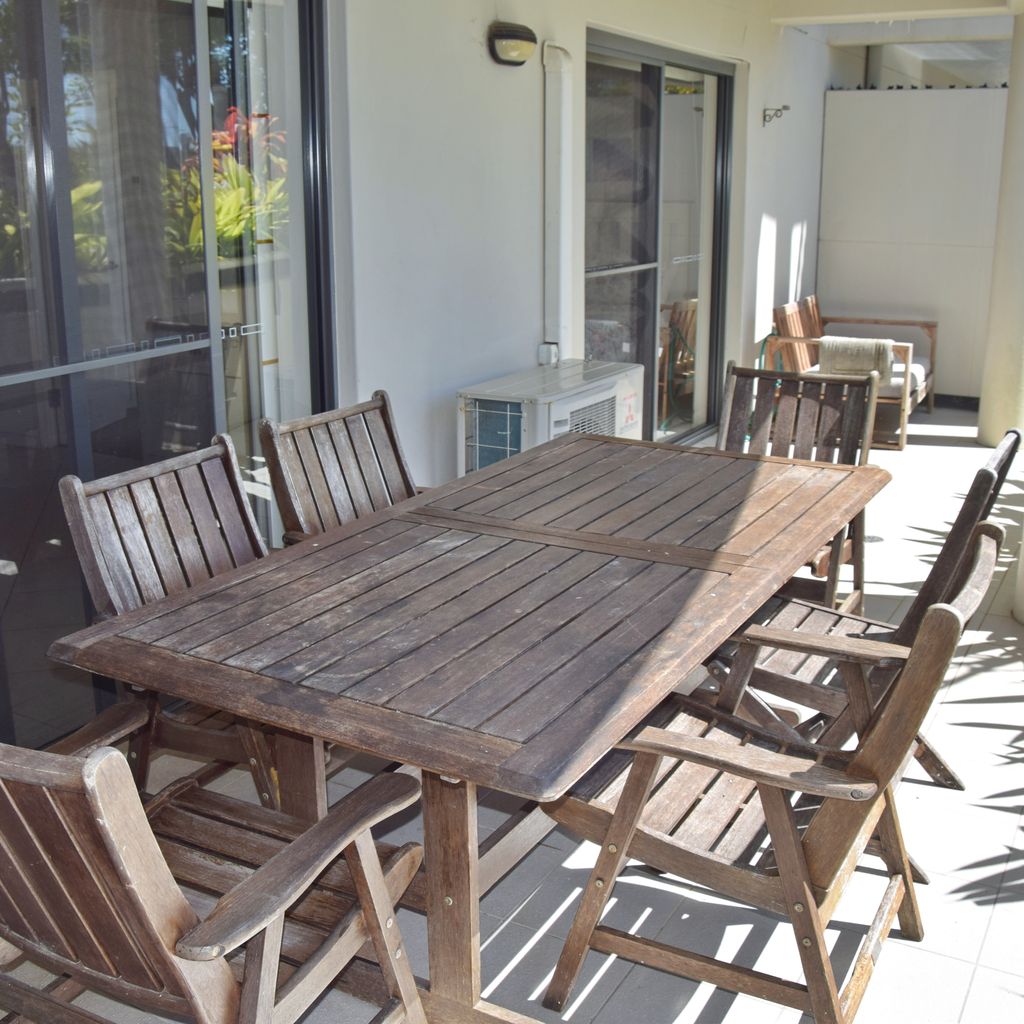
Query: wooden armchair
(158, 530)
(806, 416)
(706, 789)
(334, 467)
(92, 893)
(808, 674)
(799, 328)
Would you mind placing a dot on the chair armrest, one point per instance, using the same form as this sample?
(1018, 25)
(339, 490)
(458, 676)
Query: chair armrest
(109, 727)
(840, 648)
(251, 905)
(796, 774)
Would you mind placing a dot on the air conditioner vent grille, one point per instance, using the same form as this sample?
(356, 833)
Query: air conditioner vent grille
(596, 418)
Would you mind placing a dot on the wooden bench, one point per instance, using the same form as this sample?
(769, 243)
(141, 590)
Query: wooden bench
(794, 347)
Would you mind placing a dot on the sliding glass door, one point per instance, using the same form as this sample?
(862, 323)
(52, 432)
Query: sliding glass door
(656, 201)
(152, 279)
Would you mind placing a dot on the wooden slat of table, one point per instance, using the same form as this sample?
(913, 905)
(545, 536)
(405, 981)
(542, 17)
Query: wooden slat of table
(318, 589)
(573, 488)
(256, 579)
(316, 611)
(634, 626)
(457, 683)
(664, 482)
(339, 636)
(642, 513)
(738, 503)
(401, 634)
(541, 465)
(430, 647)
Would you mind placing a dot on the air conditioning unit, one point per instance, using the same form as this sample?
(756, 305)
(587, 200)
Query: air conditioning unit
(501, 417)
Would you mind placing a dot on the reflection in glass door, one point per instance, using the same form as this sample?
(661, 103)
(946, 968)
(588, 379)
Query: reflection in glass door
(150, 260)
(656, 159)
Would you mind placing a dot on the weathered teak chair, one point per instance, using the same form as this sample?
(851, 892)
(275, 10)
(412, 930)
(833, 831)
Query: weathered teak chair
(91, 893)
(704, 793)
(806, 416)
(154, 531)
(800, 326)
(334, 467)
(809, 676)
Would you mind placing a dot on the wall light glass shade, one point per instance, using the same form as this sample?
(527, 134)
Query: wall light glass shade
(511, 44)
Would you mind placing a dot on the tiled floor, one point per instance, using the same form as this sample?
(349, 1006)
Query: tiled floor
(970, 966)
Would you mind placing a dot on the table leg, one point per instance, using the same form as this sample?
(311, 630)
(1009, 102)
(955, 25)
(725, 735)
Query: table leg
(453, 888)
(300, 767)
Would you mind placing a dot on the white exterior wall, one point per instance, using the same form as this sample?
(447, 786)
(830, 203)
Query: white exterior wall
(910, 187)
(438, 180)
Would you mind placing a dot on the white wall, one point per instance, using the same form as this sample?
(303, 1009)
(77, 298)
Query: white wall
(910, 184)
(438, 176)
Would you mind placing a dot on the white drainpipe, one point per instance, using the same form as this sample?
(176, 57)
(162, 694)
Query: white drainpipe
(557, 202)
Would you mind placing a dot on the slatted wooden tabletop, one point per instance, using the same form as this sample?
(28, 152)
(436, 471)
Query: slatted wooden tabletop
(506, 629)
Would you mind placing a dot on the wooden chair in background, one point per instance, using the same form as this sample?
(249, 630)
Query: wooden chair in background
(808, 675)
(334, 467)
(806, 416)
(706, 789)
(799, 327)
(92, 894)
(154, 531)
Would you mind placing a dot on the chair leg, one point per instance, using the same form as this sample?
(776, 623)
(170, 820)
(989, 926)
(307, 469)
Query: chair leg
(259, 979)
(602, 879)
(254, 742)
(379, 915)
(894, 853)
(140, 746)
(936, 765)
(803, 908)
(835, 560)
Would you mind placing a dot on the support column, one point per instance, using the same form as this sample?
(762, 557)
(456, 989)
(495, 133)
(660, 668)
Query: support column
(1002, 386)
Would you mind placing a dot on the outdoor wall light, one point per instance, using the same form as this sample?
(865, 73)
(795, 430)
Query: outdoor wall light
(511, 44)
(770, 114)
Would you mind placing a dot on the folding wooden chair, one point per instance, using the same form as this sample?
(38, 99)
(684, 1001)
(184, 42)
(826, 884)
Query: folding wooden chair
(806, 416)
(91, 893)
(712, 799)
(788, 673)
(335, 467)
(154, 531)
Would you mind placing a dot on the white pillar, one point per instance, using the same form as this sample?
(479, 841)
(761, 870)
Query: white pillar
(1002, 386)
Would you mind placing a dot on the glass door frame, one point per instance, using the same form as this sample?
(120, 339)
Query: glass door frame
(607, 44)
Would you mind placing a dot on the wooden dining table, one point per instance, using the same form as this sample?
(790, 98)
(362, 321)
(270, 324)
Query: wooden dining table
(504, 631)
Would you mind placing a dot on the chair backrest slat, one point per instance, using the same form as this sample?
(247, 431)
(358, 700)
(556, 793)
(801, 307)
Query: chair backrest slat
(334, 467)
(348, 463)
(158, 536)
(801, 416)
(810, 318)
(159, 529)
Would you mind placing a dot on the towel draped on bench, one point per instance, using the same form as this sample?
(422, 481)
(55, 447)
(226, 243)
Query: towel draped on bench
(857, 355)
